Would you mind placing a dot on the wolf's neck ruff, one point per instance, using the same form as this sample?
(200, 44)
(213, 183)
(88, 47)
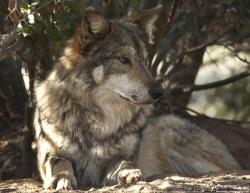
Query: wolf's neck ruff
(96, 111)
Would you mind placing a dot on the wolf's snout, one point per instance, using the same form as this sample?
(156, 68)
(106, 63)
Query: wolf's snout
(156, 91)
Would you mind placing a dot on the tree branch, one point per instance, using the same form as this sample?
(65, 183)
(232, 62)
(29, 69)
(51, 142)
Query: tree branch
(14, 11)
(194, 49)
(244, 60)
(188, 89)
(6, 44)
(172, 11)
(147, 4)
(196, 113)
(6, 39)
(10, 49)
(215, 118)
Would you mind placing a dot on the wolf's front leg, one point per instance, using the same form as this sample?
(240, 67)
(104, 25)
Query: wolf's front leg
(58, 174)
(121, 172)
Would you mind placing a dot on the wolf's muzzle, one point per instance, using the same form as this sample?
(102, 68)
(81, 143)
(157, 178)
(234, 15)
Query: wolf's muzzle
(156, 91)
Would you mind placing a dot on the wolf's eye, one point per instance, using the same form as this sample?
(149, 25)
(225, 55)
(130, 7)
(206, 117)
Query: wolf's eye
(124, 60)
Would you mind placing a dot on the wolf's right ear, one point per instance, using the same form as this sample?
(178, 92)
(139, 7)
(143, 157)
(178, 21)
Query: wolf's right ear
(94, 23)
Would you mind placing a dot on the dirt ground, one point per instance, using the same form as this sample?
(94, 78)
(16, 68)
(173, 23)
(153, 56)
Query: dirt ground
(220, 182)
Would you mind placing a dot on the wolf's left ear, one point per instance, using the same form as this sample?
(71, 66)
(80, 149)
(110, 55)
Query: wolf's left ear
(145, 19)
(97, 24)
(93, 25)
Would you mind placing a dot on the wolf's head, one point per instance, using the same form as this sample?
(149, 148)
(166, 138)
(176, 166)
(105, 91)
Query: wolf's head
(111, 56)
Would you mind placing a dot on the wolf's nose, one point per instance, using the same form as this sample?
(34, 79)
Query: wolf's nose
(156, 91)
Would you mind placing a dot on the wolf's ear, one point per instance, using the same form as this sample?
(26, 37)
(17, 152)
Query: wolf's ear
(145, 19)
(95, 23)
(98, 25)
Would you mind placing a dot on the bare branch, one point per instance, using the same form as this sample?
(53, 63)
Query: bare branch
(196, 113)
(9, 49)
(126, 4)
(188, 89)
(194, 49)
(14, 11)
(42, 5)
(215, 118)
(147, 4)
(244, 60)
(166, 42)
(172, 11)
(7, 39)
(8, 43)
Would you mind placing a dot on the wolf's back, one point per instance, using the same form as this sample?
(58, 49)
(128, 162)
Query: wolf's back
(172, 145)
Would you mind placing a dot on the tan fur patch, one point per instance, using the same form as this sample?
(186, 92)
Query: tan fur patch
(98, 74)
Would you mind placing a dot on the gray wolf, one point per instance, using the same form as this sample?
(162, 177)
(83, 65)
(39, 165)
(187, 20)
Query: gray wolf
(92, 121)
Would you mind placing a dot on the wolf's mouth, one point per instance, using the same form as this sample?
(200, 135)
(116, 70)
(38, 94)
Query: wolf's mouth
(123, 96)
(134, 99)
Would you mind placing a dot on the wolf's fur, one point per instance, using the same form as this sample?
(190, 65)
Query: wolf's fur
(91, 117)
(176, 146)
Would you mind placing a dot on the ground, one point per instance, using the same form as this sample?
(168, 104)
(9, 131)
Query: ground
(219, 182)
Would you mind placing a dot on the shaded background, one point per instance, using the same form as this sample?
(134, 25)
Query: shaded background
(201, 57)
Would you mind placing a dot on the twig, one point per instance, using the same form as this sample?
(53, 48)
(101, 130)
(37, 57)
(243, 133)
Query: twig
(244, 60)
(190, 50)
(126, 4)
(13, 8)
(42, 6)
(215, 118)
(11, 48)
(172, 11)
(188, 89)
(165, 43)
(187, 109)
(5, 43)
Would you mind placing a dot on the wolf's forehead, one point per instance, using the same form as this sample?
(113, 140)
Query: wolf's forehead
(131, 38)
(138, 47)
(129, 35)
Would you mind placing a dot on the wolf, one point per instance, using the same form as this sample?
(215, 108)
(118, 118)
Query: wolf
(93, 119)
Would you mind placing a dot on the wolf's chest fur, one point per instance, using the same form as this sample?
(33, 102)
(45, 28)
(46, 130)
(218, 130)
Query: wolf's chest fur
(89, 139)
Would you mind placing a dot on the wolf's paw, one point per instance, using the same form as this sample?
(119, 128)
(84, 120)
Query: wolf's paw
(61, 182)
(65, 183)
(129, 176)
